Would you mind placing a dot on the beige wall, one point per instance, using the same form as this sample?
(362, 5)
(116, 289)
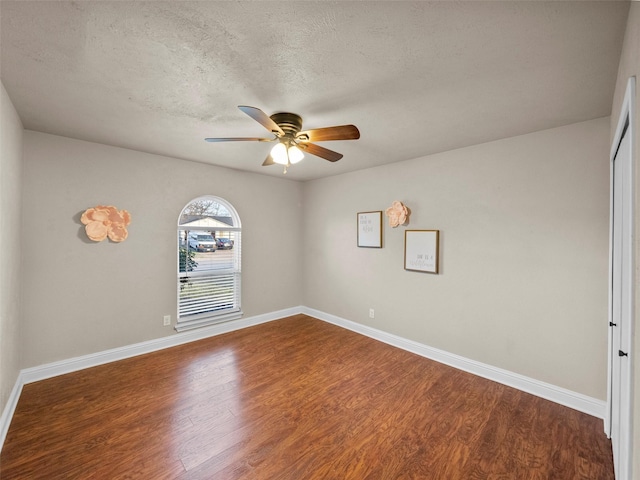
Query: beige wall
(524, 247)
(630, 66)
(10, 221)
(82, 297)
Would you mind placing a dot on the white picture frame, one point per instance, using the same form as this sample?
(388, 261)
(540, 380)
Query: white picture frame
(370, 229)
(421, 250)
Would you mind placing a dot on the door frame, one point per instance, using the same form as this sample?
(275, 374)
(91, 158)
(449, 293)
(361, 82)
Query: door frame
(626, 119)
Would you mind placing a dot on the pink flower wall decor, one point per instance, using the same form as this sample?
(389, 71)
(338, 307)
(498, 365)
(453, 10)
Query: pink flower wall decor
(106, 221)
(398, 214)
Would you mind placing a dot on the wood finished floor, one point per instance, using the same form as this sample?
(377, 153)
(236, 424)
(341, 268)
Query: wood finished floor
(294, 399)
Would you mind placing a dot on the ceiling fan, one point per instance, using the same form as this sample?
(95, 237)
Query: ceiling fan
(286, 128)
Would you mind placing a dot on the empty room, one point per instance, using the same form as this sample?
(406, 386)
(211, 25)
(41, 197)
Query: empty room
(319, 240)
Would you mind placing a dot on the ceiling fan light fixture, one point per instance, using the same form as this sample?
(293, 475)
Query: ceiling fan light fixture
(295, 154)
(286, 155)
(279, 154)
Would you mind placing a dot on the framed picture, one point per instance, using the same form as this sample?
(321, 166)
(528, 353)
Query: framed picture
(421, 250)
(370, 229)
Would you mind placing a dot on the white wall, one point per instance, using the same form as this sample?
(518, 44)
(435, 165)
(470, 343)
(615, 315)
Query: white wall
(630, 66)
(82, 297)
(10, 251)
(524, 245)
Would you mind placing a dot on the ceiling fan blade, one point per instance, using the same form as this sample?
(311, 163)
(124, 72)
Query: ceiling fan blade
(262, 118)
(321, 152)
(339, 132)
(245, 139)
(268, 161)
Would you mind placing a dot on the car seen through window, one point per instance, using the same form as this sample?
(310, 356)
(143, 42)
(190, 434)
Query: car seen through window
(202, 242)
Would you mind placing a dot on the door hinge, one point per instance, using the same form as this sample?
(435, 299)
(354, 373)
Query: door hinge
(622, 354)
(611, 324)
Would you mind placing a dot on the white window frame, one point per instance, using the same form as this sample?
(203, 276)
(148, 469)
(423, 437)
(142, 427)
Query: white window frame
(188, 322)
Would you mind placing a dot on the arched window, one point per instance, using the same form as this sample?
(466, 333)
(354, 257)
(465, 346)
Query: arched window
(209, 247)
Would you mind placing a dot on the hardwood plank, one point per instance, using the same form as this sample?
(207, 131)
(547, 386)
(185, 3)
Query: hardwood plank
(294, 399)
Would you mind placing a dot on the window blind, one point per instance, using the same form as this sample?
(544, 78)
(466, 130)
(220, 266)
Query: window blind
(209, 277)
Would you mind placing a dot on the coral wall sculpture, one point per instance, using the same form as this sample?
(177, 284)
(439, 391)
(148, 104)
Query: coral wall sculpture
(398, 214)
(106, 221)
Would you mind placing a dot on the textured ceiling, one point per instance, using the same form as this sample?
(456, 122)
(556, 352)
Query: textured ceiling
(415, 77)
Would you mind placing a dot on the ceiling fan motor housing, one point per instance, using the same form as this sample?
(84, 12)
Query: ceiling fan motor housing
(290, 123)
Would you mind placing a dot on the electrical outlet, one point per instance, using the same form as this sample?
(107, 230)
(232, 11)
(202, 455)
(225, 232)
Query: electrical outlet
(167, 320)
(372, 313)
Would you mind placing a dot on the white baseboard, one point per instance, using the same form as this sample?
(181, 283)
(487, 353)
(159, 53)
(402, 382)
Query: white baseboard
(550, 392)
(568, 398)
(10, 407)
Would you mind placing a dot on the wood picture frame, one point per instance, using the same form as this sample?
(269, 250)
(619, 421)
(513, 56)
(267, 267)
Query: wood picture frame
(370, 229)
(422, 251)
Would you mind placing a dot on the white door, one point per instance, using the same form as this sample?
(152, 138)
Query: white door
(621, 310)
